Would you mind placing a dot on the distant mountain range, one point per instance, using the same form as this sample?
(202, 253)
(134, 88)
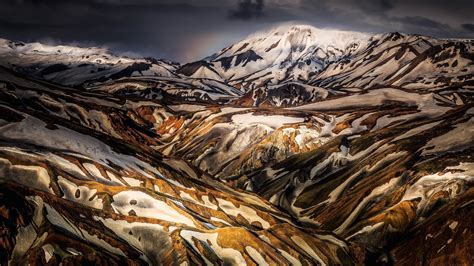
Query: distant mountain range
(287, 66)
(296, 146)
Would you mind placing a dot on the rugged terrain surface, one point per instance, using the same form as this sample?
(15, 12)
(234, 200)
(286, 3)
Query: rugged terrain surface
(297, 146)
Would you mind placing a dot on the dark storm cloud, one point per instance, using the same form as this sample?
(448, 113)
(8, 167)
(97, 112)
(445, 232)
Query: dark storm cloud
(468, 27)
(247, 9)
(429, 17)
(151, 28)
(426, 25)
(375, 6)
(423, 22)
(186, 30)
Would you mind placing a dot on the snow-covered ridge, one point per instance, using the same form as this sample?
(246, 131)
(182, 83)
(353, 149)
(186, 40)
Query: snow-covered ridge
(63, 53)
(70, 65)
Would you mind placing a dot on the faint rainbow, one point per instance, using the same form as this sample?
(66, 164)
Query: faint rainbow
(203, 45)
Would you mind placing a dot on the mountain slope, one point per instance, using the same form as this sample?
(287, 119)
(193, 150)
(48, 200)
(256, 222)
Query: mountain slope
(407, 61)
(81, 183)
(392, 160)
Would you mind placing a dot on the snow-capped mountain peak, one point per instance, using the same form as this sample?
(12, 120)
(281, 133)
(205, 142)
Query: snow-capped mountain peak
(298, 38)
(287, 52)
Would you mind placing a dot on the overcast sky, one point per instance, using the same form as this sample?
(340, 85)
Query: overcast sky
(187, 30)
